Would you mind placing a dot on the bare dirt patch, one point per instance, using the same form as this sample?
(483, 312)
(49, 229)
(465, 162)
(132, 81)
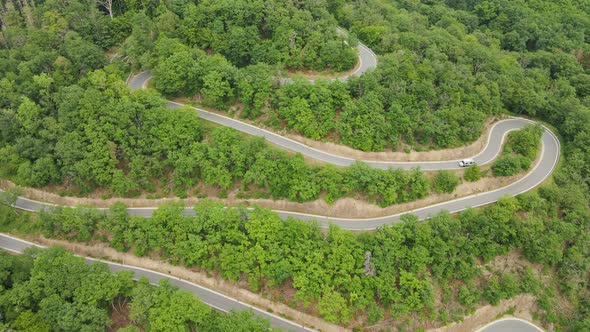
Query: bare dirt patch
(354, 208)
(120, 316)
(513, 263)
(102, 251)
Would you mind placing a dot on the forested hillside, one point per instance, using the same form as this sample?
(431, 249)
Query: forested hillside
(51, 290)
(442, 72)
(66, 117)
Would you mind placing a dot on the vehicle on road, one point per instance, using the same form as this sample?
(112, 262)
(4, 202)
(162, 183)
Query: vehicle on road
(466, 162)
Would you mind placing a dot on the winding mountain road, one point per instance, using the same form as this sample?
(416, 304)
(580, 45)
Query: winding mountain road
(546, 164)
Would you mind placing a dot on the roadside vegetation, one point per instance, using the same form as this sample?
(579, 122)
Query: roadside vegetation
(67, 119)
(434, 271)
(94, 135)
(52, 290)
(519, 152)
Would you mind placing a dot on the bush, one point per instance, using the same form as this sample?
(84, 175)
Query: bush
(519, 152)
(493, 292)
(508, 165)
(472, 173)
(526, 141)
(445, 182)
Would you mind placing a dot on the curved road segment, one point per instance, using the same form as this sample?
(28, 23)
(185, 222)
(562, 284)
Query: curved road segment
(510, 325)
(367, 61)
(546, 164)
(208, 296)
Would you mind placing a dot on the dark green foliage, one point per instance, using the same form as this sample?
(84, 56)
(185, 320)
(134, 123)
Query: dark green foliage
(62, 292)
(272, 32)
(519, 152)
(445, 182)
(71, 125)
(508, 164)
(472, 173)
(444, 67)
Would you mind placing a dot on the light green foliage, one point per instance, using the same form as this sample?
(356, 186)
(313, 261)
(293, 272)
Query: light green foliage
(408, 259)
(310, 108)
(443, 69)
(101, 136)
(363, 125)
(507, 165)
(467, 296)
(28, 321)
(239, 321)
(177, 74)
(165, 308)
(526, 141)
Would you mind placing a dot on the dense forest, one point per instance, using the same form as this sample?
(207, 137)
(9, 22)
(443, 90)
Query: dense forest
(95, 134)
(51, 290)
(441, 74)
(67, 118)
(445, 66)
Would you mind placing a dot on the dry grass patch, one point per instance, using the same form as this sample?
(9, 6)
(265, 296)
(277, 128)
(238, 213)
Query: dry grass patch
(344, 207)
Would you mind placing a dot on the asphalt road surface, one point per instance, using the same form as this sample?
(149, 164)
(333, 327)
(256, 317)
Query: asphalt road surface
(367, 58)
(510, 325)
(208, 296)
(546, 164)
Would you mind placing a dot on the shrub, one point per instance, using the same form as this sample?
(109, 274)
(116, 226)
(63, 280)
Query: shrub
(472, 173)
(445, 182)
(493, 292)
(507, 165)
(526, 141)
